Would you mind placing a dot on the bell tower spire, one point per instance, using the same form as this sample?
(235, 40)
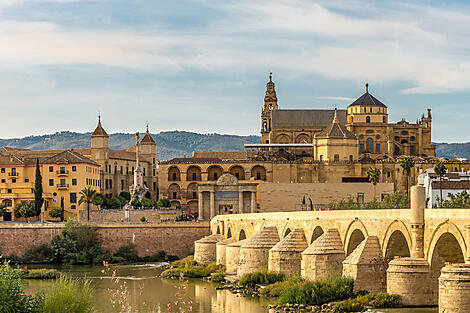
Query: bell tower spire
(270, 104)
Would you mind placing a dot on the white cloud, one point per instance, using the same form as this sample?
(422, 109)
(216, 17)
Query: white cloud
(337, 98)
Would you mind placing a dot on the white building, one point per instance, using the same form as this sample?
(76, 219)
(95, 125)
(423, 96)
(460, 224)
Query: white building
(452, 182)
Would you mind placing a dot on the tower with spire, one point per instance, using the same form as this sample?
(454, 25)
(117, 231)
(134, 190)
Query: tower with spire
(270, 104)
(99, 143)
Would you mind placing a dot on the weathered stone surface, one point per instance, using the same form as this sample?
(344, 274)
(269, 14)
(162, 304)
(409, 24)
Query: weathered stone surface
(323, 257)
(254, 252)
(205, 249)
(410, 279)
(366, 265)
(220, 250)
(232, 255)
(285, 256)
(174, 239)
(454, 288)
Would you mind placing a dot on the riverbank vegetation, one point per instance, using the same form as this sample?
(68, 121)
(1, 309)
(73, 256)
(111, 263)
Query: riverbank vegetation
(188, 268)
(74, 294)
(395, 200)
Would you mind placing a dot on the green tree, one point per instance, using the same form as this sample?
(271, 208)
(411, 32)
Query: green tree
(407, 164)
(146, 203)
(86, 196)
(25, 209)
(99, 200)
(57, 213)
(38, 199)
(440, 169)
(114, 203)
(164, 202)
(126, 195)
(136, 203)
(374, 176)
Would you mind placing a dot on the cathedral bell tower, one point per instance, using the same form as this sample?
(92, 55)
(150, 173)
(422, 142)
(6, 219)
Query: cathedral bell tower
(270, 104)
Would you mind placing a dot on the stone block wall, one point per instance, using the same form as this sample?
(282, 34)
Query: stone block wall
(286, 262)
(174, 239)
(117, 216)
(318, 266)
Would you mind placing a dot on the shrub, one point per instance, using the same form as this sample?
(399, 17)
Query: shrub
(12, 296)
(262, 277)
(76, 295)
(40, 273)
(128, 253)
(332, 288)
(274, 290)
(385, 300)
(157, 257)
(38, 254)
(381, 300)
(190, 269)
(218, 278)
(143, 219)
(346, 306)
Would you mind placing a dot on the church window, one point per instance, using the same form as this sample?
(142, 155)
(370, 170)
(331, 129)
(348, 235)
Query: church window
(370, 145)
(377, 147)
(384, 120)
(396, 150)
(127, 169)
(370, 110)
(74, 168)
(122, 184)
(321, 157)
(412, 150)
(412, 138)
(351, 157)
(194, 176)
(258, 175)
(121, 170)
(237, 175)
(365, 110)
(361, 147)
(51, 169)
(397, 138)
(361, 137)
(367, 119)
(404, 133)
(336, 157)
(215, 176)
(404, 141)
(377, 137)
(51, 182)
(74, 182)
(369, 131)
(110, 184)
(388, 174)
(115, 169)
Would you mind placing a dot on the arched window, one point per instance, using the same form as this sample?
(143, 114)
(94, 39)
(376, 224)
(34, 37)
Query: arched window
(384, 119)
(367, 119)
(370, 145)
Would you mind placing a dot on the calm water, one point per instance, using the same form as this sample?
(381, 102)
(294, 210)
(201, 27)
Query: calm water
(141, 287)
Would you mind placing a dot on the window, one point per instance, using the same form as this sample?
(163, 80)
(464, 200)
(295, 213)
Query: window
(377, 147)
(73, 197)
(106, 183)
(13, 180)
(73, 206)
(110, 184)
(194, 176)
(62, 181)
(26, 180)
(404, 133)
(3, 170)
(412, 150)
(216, 176)
(367, 119)
(369, 131)
(237, 175)
(370, 145)
(388, 174)
(194, 194)
(321, 157)
(9, 191)
(51, 169)
(127, 169)
(412, 138)
(13, 171)
(360, 197)
(377, 137)
(396, 138)
(174, 176)
(384, 120)
(62, 169)
(154, 185)
(121, 169)
(74, 168)
(115, 169)
(122, 184)
(74, 182)
(174, 194)
(51, 182)
(3, 180)
(258, 175)
(336, 157)
(144, 171)
(370, 110)
(351, 158)
(361, 147)
(361, 137)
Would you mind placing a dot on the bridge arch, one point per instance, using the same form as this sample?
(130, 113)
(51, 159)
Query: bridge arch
(317, 232)
(355, 234)
(242, 235)
(396, 242)
(447, 245)
(229, 233)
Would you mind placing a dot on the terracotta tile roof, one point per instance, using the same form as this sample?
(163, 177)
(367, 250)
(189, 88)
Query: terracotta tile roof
(306, 118)
(224, 155)
(336, 130)
(367, 99)
(25, 157)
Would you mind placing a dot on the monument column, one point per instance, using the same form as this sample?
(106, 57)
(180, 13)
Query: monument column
(253, 202)
(200, 206)
(212, 203)
(240, 202)
(418, 201)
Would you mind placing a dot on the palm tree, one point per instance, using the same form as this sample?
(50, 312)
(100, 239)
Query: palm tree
(440, 169)
(374, 175)
(86, 195)
(407, 164)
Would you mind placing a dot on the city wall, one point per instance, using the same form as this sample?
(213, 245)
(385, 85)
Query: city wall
(174, 239)
(135, 216)
(276, 197)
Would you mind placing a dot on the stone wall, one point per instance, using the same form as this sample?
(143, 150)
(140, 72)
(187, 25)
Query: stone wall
(287, 197)
(174, 239)
(117, 216)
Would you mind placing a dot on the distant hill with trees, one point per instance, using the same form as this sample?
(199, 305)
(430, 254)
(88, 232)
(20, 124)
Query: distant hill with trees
(171, 144)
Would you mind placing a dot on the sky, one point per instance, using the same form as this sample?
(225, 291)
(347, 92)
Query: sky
(203, 65)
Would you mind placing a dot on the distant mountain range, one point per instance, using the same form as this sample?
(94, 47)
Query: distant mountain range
(173, 144)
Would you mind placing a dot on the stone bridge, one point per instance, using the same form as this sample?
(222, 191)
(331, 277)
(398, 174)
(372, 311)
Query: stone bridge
(424, 239)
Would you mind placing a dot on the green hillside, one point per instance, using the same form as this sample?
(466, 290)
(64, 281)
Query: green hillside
(177, 143)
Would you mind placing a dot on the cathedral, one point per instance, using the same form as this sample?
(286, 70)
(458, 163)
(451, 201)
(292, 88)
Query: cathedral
(360, 131)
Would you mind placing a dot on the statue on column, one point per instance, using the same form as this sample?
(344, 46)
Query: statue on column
(138, 189)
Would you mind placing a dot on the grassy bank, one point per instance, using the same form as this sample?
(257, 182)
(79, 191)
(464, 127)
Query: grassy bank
(188, 268)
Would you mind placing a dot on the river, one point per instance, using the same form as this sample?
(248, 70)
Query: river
(139, 287)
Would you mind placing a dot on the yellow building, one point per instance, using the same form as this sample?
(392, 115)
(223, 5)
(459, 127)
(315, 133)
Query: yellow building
(64, 174)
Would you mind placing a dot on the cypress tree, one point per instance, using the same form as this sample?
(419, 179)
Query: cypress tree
(38, 199)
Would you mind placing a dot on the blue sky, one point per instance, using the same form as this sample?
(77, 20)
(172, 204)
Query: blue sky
(202, 65)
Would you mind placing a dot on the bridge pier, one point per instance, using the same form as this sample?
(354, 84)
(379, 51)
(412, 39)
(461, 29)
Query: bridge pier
(254, 252)
(285, 256)
(366, 266)
(454, 288)
(220, 249)
(232, 256)
(323, 257)
(205, 249)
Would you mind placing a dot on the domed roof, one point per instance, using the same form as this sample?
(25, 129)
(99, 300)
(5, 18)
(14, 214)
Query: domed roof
(367, 100)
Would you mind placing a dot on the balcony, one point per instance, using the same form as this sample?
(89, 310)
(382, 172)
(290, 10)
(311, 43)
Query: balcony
(62, 186)
(13, 174)
(62, 173)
